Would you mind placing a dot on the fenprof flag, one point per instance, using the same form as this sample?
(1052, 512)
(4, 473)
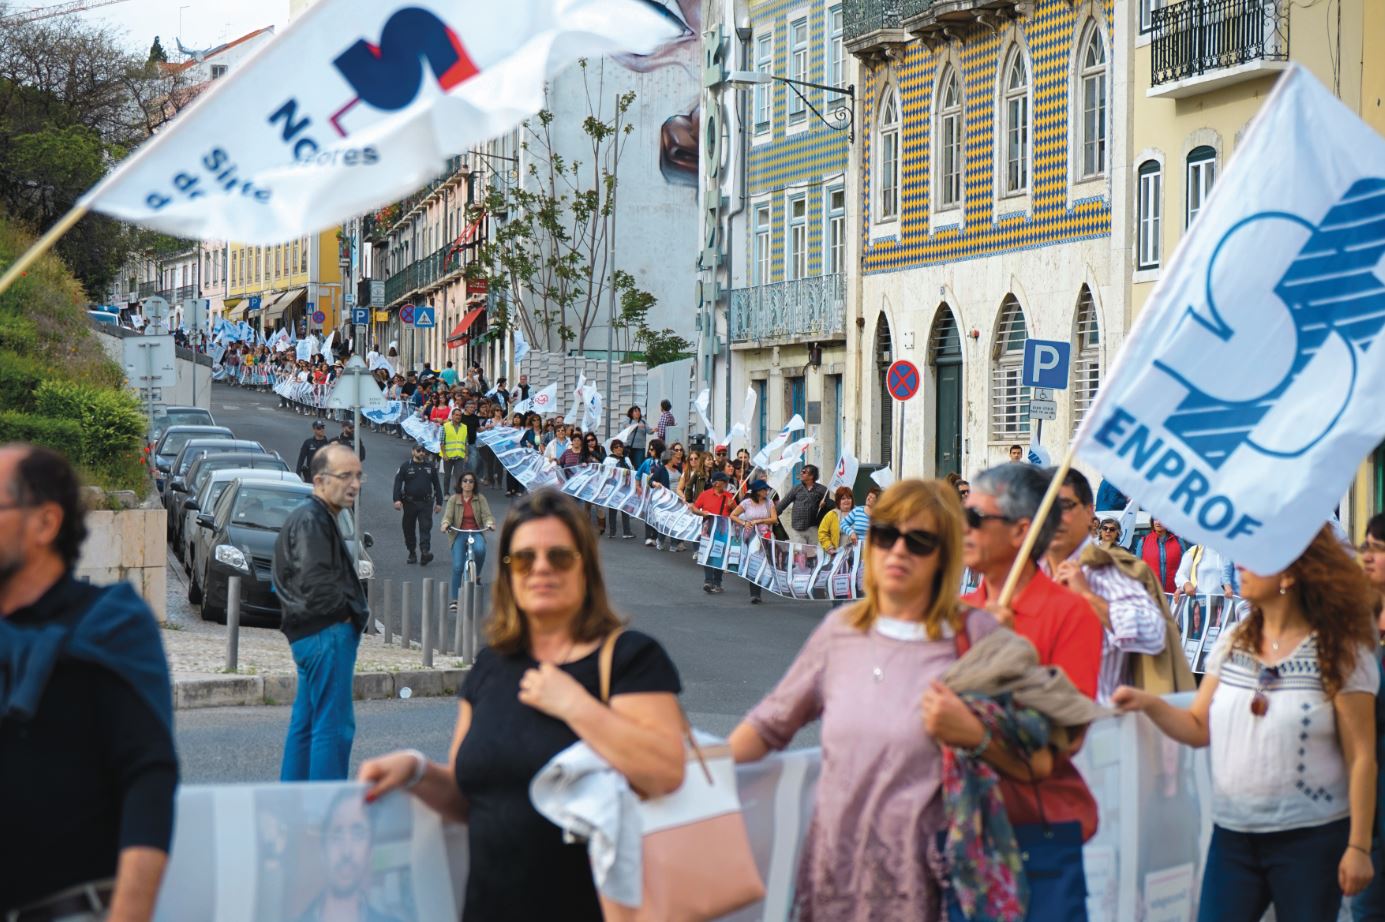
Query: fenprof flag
(356, 104)
(1253, 383)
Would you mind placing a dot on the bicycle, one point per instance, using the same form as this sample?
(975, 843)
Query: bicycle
(469, 569)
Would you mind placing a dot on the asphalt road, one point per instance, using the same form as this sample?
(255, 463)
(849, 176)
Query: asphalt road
(728, 652)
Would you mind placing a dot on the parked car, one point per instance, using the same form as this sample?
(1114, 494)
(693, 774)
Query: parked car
(180, 490)
(175, 489)
(165, 416)
(205, 496)
(172, 441)
(239, 541)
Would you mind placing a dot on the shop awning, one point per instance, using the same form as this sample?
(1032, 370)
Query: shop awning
(460, 335)
(275, 308)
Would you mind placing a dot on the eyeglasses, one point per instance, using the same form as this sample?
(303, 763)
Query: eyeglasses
(977, 519)
(1372, 546)
(1260, 702)
(1067, 505)
(964, 493)
(346, 477)
(919, 543)
(1109, 528)
(561, 559)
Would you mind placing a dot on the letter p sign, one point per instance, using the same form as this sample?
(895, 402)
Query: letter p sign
(1046, 364)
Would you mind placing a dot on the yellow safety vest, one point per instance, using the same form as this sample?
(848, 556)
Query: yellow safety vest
(453, 440)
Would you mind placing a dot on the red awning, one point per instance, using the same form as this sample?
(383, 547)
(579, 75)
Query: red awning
(458, 336)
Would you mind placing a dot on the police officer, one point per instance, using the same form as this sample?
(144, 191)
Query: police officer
(348, 437)
(417, 491)
(310, 447)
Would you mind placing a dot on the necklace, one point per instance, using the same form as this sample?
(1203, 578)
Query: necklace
(893, 629)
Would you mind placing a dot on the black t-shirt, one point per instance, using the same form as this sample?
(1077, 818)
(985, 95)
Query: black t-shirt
(520, 868)
(92, 773)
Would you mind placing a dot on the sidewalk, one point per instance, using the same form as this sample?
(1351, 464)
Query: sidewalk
(196, 651)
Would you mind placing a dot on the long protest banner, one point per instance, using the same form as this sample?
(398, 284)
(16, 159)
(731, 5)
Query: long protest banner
(1253, 383)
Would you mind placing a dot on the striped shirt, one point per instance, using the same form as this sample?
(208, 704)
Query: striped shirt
(661, 428)
(857, 521)
(1137, 623)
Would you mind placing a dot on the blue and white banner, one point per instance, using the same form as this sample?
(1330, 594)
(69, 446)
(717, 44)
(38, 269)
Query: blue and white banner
(426, 433)
(390, 414)
(1254, 381)
(356, 104)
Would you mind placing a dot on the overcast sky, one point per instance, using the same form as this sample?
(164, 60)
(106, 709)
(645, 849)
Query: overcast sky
(205, 23)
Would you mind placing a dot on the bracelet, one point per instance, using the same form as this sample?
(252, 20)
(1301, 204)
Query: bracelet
(1364, 851)
(980, 747)
(420, 768)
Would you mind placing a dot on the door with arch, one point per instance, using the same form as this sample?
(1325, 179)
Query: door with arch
(884, 356)
(945, 355)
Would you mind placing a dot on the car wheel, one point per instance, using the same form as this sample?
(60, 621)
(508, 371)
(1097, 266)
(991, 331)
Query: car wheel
(194, 590)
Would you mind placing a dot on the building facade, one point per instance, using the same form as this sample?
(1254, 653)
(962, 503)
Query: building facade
(287, 285)
(991, 148)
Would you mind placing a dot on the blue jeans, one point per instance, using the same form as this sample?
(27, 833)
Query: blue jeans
(323, 724)
(1369, 904)
(478, 554)
(1295, 870)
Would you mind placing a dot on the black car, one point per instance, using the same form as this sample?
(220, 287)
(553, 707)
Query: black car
(172, 441)
(244, 525)
(181, 491)
(175, 490)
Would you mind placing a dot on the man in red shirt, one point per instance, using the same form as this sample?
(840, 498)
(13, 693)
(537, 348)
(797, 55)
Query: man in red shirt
(714, 501)
(1061, 624)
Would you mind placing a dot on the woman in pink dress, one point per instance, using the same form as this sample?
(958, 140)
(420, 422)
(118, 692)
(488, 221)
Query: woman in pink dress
(863, 673)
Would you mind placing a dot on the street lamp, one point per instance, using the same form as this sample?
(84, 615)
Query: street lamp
(843, 109)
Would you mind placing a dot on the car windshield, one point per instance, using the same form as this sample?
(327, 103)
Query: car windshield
(207, 468)
(176, 440)
(188, 417)
(267, 509)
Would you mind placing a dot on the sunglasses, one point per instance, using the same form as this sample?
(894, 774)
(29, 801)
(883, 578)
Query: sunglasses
(919, 543)
(561, 559)
(964, 493)
(1260, 702)
(977, 519)
(1108, 528)
(1067, 505)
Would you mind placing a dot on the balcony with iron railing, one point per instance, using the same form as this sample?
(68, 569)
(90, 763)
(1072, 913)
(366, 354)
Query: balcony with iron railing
(421, 274)
(812, 309)
(148, 289)
(874, 28)
(936, 22)
(1200, 45)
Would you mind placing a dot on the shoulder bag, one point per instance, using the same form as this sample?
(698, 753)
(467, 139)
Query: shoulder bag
(698, 864)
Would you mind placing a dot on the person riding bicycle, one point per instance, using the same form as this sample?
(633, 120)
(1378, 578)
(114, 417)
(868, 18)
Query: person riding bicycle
(465, 520)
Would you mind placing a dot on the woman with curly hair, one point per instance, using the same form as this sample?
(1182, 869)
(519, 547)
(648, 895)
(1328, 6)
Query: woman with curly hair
(1288, 707)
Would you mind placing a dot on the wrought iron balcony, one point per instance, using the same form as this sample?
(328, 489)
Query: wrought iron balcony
(804, 309)
(148, 289)
(1202, 44)
(936, 22)
(874, 28)
(425, 273)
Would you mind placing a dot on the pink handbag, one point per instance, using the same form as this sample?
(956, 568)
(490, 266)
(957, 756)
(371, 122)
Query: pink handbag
(698, 864)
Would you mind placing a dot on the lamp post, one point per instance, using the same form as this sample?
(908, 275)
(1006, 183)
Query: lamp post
(842, 111)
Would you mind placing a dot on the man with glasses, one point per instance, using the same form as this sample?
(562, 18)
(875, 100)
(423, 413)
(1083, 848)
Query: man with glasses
(87, 764)
(419, 495)
(1132, 621)
(1062, 626)
(324, 613)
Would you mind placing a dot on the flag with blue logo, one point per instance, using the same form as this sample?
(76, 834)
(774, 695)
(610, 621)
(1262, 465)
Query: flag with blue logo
(358, 103)
(1253, 383)
(521, 345)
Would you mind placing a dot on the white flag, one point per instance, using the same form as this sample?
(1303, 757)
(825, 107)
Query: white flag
(766, 455)
(714, 438)
(1254, 382)
(844, 474)
(591, 410)
(521, 345)
(357, 104)
(883, 477)
(544, 401)
(579, 396)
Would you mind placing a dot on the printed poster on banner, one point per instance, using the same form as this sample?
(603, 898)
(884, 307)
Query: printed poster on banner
(1278, 280)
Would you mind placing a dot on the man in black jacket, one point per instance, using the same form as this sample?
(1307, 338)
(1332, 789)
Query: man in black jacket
(324, 612)
(348, 437)
(417, 492)
(311, 447)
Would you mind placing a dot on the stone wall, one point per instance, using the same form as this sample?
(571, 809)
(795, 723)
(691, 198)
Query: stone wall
(131, 545)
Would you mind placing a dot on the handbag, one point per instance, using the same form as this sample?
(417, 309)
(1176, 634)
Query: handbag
(697, 860)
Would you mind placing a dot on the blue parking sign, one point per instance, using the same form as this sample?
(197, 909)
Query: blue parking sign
(1046, 363)
(423, 317)
(360, 316)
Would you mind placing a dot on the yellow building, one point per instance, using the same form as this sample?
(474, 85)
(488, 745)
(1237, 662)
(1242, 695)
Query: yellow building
(1201, 71)
(292, 281)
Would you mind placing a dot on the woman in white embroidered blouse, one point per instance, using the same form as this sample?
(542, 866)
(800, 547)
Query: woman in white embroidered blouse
(1288, 707)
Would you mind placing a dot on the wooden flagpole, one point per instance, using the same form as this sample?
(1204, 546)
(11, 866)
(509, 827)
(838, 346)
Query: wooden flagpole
(1032, 536)
(42, 245)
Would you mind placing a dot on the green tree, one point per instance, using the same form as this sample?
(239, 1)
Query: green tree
(157, 55)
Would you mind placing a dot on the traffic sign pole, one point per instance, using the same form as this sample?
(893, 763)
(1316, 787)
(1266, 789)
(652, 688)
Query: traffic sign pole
(902, 380)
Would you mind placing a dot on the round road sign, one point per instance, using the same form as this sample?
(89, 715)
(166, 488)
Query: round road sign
(902, 380)
(406, 314)
(319, 317)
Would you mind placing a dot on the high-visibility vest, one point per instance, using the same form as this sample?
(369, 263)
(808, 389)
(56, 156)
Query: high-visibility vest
(453, 440)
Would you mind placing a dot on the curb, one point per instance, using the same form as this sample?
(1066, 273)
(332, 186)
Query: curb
(201, 690)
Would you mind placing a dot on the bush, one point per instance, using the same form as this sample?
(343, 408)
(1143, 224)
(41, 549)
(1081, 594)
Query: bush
(110, 421)
(19, 378)
(61, 435)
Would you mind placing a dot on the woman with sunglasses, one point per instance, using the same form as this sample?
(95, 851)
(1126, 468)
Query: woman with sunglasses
(755, 514)
(863, 673)
(1288, 707)
(533, 692)
(465, 520)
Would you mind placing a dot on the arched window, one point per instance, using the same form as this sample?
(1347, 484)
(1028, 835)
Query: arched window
(1092, 94)
(945, 343)
(884, 357)
(1015, 108)
(1009, 398)
(1150, 216)
(1202, 173)
(887, 163)
(1086, 361)
(950, 133)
